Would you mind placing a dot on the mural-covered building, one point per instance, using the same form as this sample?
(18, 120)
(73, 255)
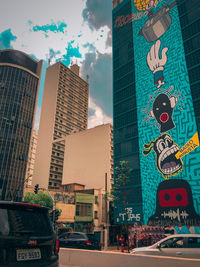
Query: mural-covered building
(156, 90)
(19, 86)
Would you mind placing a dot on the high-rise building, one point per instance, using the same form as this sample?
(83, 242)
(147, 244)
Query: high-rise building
(89, 158)
(19, 86)
(31, 157)
(156, 88)
(64, 110)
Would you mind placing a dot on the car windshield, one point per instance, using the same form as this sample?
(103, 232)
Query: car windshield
(18, 221)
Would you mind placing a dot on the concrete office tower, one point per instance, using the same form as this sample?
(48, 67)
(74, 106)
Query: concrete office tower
(19, 86)
(89, 156)
(64, 110)
(31, 157)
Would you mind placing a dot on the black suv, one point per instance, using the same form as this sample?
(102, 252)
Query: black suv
(26, 236)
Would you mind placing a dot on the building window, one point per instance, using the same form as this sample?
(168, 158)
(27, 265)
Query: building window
(96, 199)
(83, 209)
(96, 214)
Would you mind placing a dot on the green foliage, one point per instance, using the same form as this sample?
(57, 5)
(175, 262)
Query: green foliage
(40, 199)
(122, 172)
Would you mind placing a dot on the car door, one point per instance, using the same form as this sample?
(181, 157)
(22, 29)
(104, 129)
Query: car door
(174, 247)
(192, 249)
(77, 240)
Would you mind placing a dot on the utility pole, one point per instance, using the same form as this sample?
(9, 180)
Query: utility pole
(106, 213)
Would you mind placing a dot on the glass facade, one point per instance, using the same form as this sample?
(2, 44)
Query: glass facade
(156, 86)
(125, 111)
(189, 14)
(18, 90)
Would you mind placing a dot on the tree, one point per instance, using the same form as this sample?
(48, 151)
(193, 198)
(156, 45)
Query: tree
(41, 199)
(118, 192)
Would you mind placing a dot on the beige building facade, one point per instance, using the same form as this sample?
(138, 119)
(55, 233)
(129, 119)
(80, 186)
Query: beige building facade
(89, 157)
(64, 110)
(31, 158)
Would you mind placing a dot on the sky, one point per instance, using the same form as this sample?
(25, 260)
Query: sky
(77, 31)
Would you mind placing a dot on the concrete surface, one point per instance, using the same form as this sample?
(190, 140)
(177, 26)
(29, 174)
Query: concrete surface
(87, 258)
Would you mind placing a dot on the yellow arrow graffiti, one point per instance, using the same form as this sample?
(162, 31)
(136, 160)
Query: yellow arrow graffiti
(192, 144)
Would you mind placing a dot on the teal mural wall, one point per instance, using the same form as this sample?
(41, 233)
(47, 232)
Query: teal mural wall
(165, 116)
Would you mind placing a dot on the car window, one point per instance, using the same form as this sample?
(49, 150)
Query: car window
(176, 242)
(193, 242)
(65, 236)
(16, 221)
(76, 236)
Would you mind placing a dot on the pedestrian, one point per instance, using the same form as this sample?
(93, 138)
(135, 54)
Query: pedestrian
(118, 241)
(122, 240)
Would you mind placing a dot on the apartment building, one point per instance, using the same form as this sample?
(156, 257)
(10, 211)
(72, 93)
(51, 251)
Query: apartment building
(64, 111)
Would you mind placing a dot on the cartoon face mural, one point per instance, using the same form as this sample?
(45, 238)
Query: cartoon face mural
(143, 5)
(174, 204)
(165, 150)
(162, 111)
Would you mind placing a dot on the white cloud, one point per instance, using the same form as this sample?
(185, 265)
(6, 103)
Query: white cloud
(98, 117)
(37, 118)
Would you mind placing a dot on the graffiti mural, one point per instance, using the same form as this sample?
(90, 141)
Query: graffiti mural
(174, 204)
(165, 149)
(166, 121)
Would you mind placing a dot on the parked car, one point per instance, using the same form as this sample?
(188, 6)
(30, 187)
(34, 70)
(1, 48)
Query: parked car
(181, 245)
(79, 240)
(26, 236)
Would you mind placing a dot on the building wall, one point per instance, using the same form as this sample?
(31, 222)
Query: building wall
(64, 110)
(88, 156)
(46, 128)
(165, 81)
(19, 80)
(68, 212)
(125, 127)
(31, 157)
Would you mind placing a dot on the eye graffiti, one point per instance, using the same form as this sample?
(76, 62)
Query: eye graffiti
(165, 149)
(174, 204)
(162, 108)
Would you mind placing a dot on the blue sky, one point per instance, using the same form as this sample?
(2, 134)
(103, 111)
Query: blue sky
(65, 30)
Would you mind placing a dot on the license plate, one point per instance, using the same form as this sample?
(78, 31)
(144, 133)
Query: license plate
(28, 254)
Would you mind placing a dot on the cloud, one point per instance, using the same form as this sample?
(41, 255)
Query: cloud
(97, 117)
(98, 13)
(54, 27)
(109, 39)
(6, 37)
(37, 118)
(99, 68)
(53, 54)
(72, 53)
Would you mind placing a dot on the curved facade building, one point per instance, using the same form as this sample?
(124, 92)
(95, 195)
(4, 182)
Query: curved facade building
(19, 86)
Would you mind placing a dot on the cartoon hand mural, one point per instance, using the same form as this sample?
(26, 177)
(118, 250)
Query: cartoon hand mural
(156, 64)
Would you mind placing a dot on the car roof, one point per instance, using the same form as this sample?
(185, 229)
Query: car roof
(24, 205)
(184, 235)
